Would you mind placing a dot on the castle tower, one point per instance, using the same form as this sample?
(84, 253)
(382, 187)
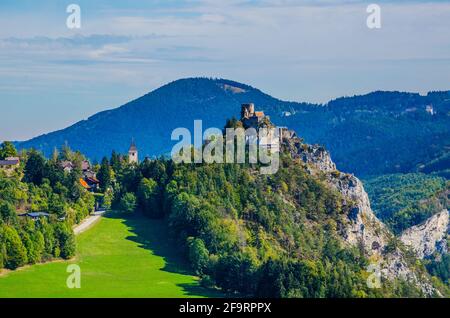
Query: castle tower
(247, 110)
(133, 153)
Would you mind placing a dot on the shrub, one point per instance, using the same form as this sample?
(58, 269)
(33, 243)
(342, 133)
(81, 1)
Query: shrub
(128, 203)
(66, 240)
(198, 255)
(149, 198)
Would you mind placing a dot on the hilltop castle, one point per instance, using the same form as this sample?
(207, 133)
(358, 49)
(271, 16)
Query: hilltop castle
(251, 118)
(256, 119)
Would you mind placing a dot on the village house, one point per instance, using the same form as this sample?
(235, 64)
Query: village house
(39, 215)
(90, 183)
(89, 179)
(9, 165)
(36, 215)
(85, 165)
(67, 166)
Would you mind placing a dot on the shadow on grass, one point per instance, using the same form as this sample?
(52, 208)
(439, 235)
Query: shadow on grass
(197, 290)
(153, 235)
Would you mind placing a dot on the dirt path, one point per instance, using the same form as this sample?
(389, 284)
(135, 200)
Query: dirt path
(88, 222)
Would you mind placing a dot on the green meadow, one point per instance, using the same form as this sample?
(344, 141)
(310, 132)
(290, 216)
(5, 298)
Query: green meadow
(118, 257)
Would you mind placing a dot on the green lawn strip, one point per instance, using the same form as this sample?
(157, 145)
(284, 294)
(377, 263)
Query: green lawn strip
(119, 257)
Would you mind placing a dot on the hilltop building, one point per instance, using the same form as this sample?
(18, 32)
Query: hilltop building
(89, 179)
(133, 153)
(251, 118)
(257, 119)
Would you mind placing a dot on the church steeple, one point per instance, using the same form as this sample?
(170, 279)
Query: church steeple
(133, 153)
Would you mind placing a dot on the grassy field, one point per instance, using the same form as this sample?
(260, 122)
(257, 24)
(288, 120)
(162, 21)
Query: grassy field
(118, 257)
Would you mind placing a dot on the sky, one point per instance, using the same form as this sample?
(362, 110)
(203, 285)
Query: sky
(301, 50)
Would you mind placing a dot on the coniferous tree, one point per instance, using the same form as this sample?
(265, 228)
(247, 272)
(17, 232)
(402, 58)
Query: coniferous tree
(35, 168)
(115, 161)
(104, 175)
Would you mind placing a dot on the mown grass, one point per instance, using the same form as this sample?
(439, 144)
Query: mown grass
(119, 257)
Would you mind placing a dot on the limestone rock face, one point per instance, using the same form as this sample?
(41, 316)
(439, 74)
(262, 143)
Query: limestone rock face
(312, 154)
(319, 157)
(366, 230)
(363, 228)
(429, 237)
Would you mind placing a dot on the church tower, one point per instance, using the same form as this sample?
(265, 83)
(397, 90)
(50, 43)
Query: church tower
(133, 153)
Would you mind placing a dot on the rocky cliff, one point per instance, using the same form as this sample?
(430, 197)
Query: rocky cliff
(363, 228)
(429, 237)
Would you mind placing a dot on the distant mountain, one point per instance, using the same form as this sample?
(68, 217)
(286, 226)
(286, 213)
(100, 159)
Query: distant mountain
(382, 132)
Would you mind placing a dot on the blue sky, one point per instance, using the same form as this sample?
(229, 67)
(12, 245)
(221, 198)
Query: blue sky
(303, 50)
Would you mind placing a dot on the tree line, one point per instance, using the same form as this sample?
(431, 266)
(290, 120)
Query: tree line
(40, 185)
(249, 234)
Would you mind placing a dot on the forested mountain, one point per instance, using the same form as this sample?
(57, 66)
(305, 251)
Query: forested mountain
(404, 200)
(305, 231)
(382, 132)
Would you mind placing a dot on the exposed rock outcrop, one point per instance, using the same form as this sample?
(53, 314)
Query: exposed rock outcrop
(428, 237)
(316, 155)
(363, 227)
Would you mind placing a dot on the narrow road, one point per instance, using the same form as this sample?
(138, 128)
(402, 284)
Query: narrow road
(88, 222)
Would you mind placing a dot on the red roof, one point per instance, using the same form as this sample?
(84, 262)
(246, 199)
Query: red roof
(84, 184)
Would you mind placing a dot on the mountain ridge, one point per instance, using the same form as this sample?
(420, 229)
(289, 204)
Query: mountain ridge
(348, 126)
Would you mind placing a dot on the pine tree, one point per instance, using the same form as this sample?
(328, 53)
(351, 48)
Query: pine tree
(104, 175)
